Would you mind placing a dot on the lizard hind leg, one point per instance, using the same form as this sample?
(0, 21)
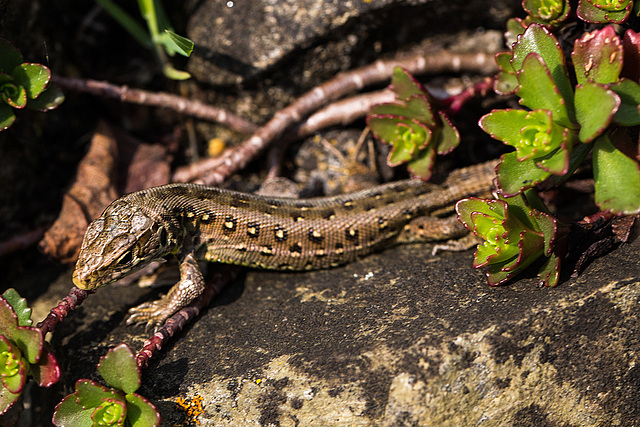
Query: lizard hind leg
(190, 287)
(453, 235)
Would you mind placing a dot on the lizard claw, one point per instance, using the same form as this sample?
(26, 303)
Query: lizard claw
(153, 313)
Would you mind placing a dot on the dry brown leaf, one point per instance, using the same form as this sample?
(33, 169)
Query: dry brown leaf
(112, 153)
(92, 190)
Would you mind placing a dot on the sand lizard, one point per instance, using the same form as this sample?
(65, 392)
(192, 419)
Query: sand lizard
(195, 222)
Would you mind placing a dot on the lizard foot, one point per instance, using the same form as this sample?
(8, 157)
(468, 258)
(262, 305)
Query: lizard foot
(153, 313)
(190, 286)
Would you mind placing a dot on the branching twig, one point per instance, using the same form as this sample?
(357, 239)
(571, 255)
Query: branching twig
(214, 171)
(341, 112)
(68, 304)
(158, 99)
(179, 320)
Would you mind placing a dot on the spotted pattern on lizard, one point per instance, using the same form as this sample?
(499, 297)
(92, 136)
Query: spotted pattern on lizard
(195, 222)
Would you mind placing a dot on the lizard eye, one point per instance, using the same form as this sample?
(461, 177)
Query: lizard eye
(126, 258)
(164, 239)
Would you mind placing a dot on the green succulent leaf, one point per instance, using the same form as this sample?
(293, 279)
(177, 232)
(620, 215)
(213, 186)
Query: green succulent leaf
(419, 108)
(600, 12)
(496, 247)
(603, 11)
(421, 163)
(503, 59)
(617, 178)
(506, 80)
(140, 412)
(19, 305)
(597, 56)
(515, 176)
(556, 162)
(548, 226)
(595, 107)
(447, 138)
(47, 371)
(388, 109)
(515, 27)
(7, 400)
(28, 339)
(10, 57)
(514, 235)
(537, 39)
(70, 413)
(629, 94)
(119, 369)
(383, 127)
(411, 126)
(549, 273)
(416, 107)
(537, 90)
(505, 83)
(404, 85)
(6, 116)
(91, 395)
(33, 77)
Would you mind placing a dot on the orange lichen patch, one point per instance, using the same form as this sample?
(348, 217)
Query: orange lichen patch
(192, 408)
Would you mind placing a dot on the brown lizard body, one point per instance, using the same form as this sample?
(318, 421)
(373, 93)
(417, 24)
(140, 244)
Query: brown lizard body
(195, 222)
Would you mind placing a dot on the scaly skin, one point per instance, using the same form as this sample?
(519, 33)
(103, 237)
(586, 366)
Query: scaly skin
(195, 222)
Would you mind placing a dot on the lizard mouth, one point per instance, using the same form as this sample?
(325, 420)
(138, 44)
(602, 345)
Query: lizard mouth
(96, 278)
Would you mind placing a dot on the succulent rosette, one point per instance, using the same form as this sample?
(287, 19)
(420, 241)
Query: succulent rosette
(22, 351)
(23, 85)
(514, 235)
(546, 12)
(603, 11)
(564, 122)
(411, 126)
(117, 405)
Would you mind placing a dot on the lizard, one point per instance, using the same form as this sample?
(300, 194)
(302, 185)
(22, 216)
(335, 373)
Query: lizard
(194, 222)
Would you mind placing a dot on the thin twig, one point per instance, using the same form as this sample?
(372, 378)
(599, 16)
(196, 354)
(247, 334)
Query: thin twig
(214, 171)
(158, 99)
(67, 305)
(178, 321)
(342, 112)
(456, 102)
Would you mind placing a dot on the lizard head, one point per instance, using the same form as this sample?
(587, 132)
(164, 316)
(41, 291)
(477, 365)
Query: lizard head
(122, 240)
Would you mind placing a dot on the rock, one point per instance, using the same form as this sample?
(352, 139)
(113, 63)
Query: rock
(399, 338)
(241, 41)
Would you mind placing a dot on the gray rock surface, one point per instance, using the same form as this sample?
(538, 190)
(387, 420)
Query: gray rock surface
(253, 38)
(399, 338)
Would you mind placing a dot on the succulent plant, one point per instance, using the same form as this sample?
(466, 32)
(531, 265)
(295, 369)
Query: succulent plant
(412, 127)
(566, 122)
(22, 351)
(117, 405)
(23, 85)
(603, 11)
(514, 235)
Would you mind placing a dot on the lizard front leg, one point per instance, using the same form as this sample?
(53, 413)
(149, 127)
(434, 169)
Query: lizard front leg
(190, 287)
